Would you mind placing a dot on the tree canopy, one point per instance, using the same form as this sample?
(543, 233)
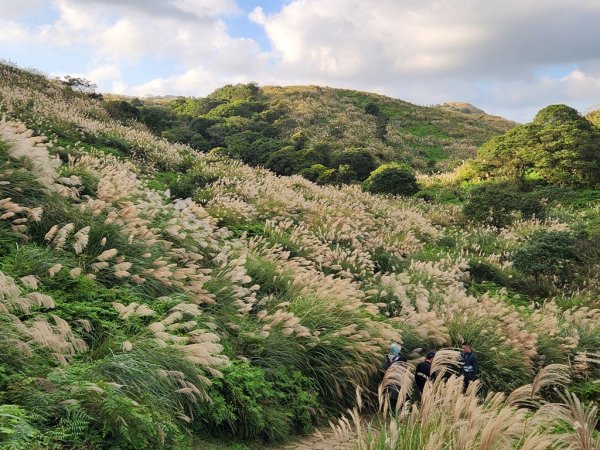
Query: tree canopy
(560, 146)
(394, 178)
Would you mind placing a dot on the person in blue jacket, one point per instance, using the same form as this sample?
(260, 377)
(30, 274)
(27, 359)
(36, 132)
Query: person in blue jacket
(395, 355)
(470, 365)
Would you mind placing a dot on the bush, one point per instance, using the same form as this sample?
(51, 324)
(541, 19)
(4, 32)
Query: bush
(251, 404)
(498, 203)
(547, 253)
(360, 162)
(342, 175)
(560, 146)
(313, 172)
(395, 179)
(286, 161)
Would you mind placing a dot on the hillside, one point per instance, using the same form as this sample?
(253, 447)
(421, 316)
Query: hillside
(461, 107)
(291, 129)
(155, 296)
(392, 129)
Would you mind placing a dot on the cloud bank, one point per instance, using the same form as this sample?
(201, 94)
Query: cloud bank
(509, 57)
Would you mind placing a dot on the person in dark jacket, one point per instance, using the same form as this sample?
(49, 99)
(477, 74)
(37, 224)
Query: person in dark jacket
(423, 372)
(470, 365)
(393, 357)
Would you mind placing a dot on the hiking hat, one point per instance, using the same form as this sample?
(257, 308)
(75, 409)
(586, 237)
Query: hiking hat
(430, 355)
(395, 349)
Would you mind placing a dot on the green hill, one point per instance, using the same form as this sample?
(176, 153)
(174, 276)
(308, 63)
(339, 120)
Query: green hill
(155, 296)
(290, 129)
(393, 130)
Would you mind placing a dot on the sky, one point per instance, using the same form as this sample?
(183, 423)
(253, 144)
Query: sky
(508, 57)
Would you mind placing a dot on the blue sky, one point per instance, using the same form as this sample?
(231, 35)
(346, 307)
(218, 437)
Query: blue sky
(508, 57)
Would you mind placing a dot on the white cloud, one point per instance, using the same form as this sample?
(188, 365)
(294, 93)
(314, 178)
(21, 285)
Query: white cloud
(18, 8)
(11, 32)
(428, 51)
(431, 38)
(103, 73)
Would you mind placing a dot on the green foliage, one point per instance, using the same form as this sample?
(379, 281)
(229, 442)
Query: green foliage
(560, 145)
(313, 172)
(386, 262)
(286, 161)
(16, 430)
(183, 185)
(501, 367)
(250, 403)
(237, 92)
(594, 117)
(498, 203)
(395, 179)
(547, 253)
(122, 110)
(342, 175)
(255, 125)
(299, 346)
(556, 115)
(360, 161)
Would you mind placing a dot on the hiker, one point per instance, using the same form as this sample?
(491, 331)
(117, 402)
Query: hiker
(470, 366)
(394, 357)
(423, 372)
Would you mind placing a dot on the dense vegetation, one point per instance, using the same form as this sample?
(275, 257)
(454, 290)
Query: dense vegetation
(559, 146)
(327, 135)
(155, 296)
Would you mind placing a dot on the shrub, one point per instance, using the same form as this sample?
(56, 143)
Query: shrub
(286, 161)
(560, 145)
(342, 175)
(360, 162)
(396, 179)
(547, 253)
(313, 172)
(122, 110)
(251, 404)
(497, 203)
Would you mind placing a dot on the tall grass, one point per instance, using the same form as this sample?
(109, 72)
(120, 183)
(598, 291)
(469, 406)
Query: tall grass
(447, 417)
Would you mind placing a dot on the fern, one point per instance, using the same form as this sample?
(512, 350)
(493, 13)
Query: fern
(74, 427)
(16, 433)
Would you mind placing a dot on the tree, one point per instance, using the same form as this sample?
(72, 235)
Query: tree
(319, 153)
(286, 161)
(122, 110)
(342, 175)
(509, 154)
(359, 160)
(594, 117)
(396, 179)
(560, 145)
(233, 92)
(568, 148)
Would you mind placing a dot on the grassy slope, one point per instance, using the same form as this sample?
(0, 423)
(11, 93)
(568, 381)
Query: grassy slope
(412, 133)
(284, 294)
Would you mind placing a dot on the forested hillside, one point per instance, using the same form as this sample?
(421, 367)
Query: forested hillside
(328, 135)
(157, 296)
